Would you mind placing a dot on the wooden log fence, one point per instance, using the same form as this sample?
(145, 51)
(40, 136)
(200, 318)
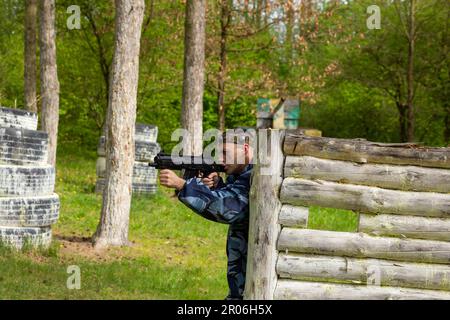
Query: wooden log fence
(401, 193)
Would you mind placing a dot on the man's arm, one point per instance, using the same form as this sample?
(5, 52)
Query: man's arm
(225, 205)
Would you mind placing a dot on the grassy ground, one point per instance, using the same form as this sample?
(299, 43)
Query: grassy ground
(175, 253)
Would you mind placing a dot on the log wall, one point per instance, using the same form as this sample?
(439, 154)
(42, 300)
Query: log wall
(401, 192)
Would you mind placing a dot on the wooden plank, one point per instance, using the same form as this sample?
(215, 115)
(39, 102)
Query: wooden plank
(405, 226)
(409, 178)
(304, 131)
(302, 290)
(302, 192)
(363, 151)
(364, 271)
(292, 216)
(264, 228)
(361, 245)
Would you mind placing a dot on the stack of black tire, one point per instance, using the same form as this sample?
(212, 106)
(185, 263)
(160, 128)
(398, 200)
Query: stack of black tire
(146, 148)
(28, 204)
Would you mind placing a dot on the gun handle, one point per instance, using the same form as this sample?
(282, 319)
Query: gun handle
(187, 174)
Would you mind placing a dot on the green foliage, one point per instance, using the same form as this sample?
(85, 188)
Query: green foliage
(371, 72)
(348, 77)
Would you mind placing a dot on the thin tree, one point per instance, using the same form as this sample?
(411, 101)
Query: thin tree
(194, 75)
(411, 35)
(49, 76)
(30, 55)
(410, 31)
(234, 18)
(121, 117)
(225, 18)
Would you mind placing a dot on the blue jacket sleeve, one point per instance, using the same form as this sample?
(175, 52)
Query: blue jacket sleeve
(228, 204)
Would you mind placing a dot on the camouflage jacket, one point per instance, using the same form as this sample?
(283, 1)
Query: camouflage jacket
(227, 203)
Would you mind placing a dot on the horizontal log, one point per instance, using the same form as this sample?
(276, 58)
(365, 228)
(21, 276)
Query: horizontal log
(410, 178)
(405, 226)
(305, 131)
(363, 151)
(302, 192)
(364, 271)
(360, 245)
(292, 216)
(302, 290)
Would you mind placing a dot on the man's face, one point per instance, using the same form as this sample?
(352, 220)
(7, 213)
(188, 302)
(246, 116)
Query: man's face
(234, 157)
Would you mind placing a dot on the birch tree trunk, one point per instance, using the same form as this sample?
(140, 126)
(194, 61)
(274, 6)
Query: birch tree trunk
(49, 77)
(30, 56)
(121, 118)
(194, 74)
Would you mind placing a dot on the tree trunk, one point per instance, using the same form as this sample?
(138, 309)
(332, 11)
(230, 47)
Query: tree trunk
(289, 29)
(402, 121)
(49, 77)
(103, 62)
(30, 56)
(267, 10)
(447, 127)
(410, 76)
(193, 78)
(224, 22)
(258, 6)
(121, 117)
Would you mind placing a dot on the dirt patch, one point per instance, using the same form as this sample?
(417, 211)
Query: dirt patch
(169, 252)
(71, 247)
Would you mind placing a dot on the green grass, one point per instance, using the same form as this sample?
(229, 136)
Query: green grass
(332, 219)
(175, 253)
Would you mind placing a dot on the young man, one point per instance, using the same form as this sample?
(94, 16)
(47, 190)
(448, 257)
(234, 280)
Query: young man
(223, 202)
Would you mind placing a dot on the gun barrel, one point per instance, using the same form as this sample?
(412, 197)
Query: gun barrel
(197, 163)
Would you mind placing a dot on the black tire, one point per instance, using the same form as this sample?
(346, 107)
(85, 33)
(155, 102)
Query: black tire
(146, 133)
(17, 237)
(137, 188)
(29, 211)
(142, 173)
(23, 147)
(26, 181)
(18, 118)
(144, 151)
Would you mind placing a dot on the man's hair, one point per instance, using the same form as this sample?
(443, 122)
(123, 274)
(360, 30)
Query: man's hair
(239, 136)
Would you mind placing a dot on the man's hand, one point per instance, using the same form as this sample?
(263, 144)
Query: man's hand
(169, 179)
(211, 180)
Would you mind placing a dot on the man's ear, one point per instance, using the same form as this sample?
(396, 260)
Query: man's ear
(246, 148)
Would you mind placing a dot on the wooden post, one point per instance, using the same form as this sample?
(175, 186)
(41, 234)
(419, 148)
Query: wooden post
(264, 210)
